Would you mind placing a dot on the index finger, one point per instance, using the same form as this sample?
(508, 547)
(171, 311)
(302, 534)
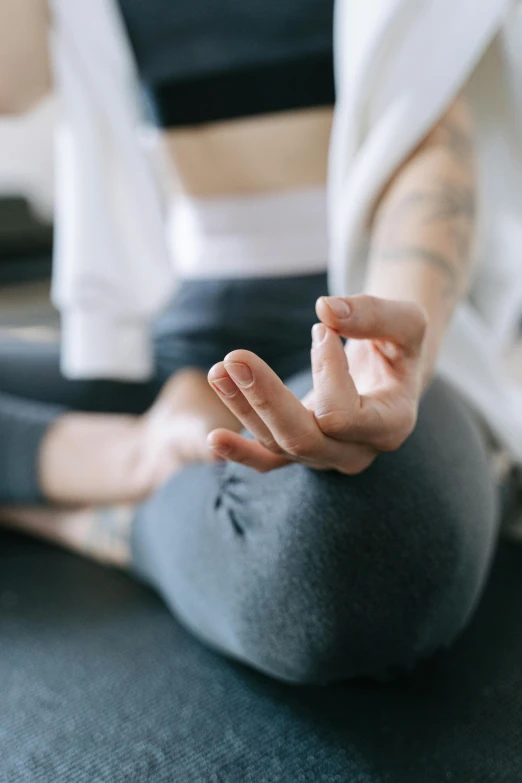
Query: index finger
(292, 425)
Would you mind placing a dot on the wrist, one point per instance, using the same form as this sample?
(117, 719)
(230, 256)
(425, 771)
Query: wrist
(432, 344)
(437, 315)
(427, 370)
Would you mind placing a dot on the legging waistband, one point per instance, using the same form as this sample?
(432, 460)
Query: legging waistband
(270, 316)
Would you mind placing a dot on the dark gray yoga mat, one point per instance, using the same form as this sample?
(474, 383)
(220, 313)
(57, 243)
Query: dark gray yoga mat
(99, 684)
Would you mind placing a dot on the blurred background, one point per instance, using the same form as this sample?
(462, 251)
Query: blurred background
(26, 226)
(26, 214)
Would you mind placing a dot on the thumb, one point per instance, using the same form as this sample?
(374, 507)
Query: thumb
(366, 317)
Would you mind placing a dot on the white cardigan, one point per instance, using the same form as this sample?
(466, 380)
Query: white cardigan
(398, 64)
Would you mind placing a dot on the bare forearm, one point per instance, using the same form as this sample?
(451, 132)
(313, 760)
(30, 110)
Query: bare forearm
(423, 229)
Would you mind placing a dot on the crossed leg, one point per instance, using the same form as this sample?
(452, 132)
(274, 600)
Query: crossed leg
(312, 576)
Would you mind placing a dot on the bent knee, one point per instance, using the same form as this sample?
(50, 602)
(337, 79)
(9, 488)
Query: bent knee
(358, 592)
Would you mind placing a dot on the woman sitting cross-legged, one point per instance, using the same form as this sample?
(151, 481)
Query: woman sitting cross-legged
(297, 480)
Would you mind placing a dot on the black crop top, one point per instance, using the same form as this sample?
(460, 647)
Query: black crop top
(202, 61)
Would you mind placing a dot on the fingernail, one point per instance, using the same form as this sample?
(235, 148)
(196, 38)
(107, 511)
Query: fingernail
(241, 373)
(338, 306)
(218, 448)
(226, 386)
(318, 334)
(221, 450)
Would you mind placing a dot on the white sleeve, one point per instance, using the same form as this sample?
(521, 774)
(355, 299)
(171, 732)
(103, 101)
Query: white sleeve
(398, 65)
(112, 272)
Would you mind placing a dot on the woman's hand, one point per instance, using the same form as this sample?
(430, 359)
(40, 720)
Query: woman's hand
(364, 399)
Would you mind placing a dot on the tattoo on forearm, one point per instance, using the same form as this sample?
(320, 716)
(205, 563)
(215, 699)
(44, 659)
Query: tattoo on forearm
(449, 202)
(457, 140)
(449, 209)
(430, 257)
(433, 224)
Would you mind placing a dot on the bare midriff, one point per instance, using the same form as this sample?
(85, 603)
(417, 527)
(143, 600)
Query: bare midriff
(265, 154)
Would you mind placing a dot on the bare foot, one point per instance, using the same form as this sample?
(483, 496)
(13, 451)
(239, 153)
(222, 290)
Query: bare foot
(177, 425)
(100, 466)
(93, 460)
(99, 533)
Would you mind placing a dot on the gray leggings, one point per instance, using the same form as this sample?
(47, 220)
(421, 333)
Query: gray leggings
(307, 576)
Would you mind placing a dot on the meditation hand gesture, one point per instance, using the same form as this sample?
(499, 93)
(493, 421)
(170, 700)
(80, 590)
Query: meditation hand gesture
(364, 399)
